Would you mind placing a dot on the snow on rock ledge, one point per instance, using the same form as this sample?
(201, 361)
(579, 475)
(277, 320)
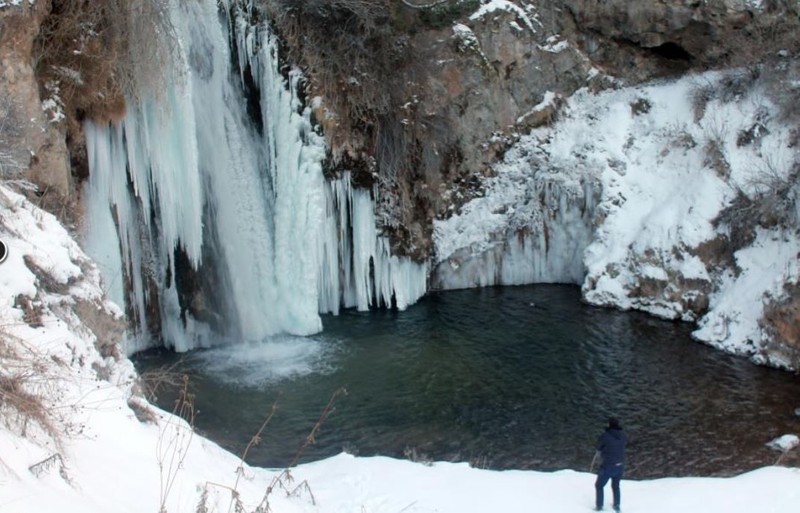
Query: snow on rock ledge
(784, 443)
(739, 320)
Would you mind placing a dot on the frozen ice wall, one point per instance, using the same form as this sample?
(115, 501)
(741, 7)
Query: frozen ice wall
(358, 267)
(532, 225)
(218, 218)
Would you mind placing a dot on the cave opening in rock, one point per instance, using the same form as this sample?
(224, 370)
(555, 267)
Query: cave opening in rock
(672, 51)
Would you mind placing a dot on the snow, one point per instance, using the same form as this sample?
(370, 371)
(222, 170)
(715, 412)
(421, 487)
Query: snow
(28, 233)
(755, 4)
(554, 44)
(53, 110)
(784, 443)
(467, 40)
(548, 101)
(733, 323)
(527, 15)
(15, 3)
(108, 461)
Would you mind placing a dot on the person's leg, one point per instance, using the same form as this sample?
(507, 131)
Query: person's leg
(602, 479)
(615, 479)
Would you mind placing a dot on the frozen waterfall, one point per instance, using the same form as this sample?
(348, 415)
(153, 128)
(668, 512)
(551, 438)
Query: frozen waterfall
(217, 220)
(533, 225)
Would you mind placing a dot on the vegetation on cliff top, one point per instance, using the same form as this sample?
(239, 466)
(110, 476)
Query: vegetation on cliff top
(89, 57)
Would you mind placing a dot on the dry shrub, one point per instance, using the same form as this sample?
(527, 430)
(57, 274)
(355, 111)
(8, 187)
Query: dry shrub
(764, 50)
(167, 379)
(702, 94)
(763, 35)
(68, 209)
(78, 49)
(174, 441)
(715, 158)
(27, 406)
(769, 201)
(782, 85)
(283, 480)
(24, 384)
(152, 382)
(91, 55)
(350, 53)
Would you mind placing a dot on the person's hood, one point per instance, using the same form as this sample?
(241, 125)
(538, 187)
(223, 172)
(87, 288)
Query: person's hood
(616, 433)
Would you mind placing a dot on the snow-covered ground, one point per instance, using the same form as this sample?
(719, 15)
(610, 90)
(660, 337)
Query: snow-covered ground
(107, 461)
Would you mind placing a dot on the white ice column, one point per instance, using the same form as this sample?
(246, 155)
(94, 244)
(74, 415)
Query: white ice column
(370, 276)
(112, 231)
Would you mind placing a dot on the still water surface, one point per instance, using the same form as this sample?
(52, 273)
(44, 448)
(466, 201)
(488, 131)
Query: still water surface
(512, 377)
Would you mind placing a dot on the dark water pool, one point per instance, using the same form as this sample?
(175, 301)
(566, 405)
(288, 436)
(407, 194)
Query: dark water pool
(513, 377)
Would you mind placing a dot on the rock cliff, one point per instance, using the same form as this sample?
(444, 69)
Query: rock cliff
(33, 138)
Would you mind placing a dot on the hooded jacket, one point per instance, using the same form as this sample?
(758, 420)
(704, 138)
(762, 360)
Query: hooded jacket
(611, 446)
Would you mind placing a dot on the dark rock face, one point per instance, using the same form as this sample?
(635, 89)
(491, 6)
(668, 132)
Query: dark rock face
(437, 101)
(781, 322)
(464, 103)
(663, 36)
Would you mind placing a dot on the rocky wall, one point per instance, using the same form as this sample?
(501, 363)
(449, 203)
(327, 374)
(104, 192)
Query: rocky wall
(41, 151)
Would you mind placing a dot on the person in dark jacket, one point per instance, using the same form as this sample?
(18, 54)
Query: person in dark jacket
(611, 448)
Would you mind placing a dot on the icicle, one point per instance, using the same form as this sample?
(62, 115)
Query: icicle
(119, 256)
(371, 275)
(162, 160)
